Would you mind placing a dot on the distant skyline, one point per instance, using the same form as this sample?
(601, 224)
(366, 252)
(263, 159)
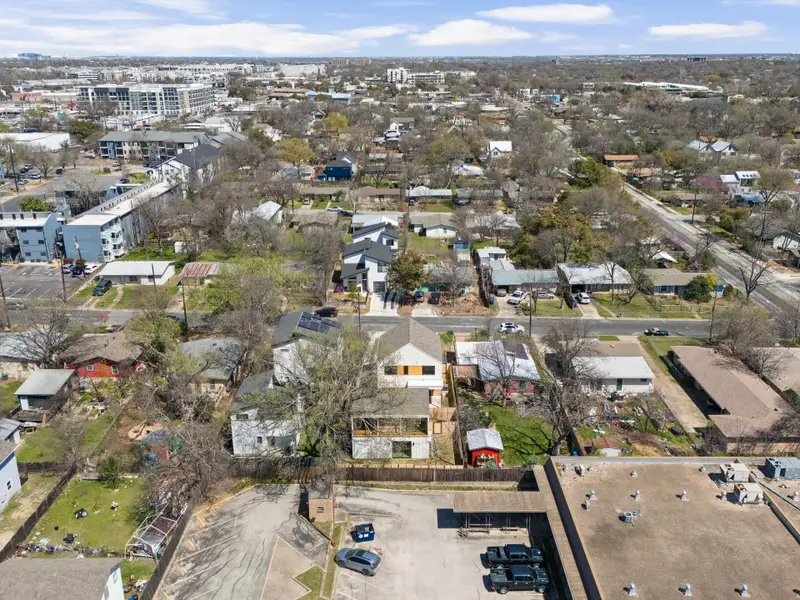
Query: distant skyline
(396, 28)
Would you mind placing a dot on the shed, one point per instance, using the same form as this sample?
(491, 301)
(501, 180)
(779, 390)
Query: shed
(484, 446)
(735, 472)
(9, 430)
(784, 467)
(748, 493)
(45, 388)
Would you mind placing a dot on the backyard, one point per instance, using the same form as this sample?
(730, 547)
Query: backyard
(428, 246)
(659, 347)
(24, 503)
(8, 401)
(525, 440)
(42, 446)
(103, 527)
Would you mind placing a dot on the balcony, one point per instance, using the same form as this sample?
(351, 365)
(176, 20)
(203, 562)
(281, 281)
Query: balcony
(391, 427)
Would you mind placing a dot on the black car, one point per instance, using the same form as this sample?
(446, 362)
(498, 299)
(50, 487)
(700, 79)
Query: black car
(656, 331)
(435, 298)
(513, 554)
(102, 287)
(327, 311)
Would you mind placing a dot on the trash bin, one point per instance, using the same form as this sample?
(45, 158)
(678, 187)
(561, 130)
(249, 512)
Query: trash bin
(363, 533)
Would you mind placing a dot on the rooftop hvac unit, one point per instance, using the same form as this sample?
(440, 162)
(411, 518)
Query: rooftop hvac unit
(735, 472)
(748, 493)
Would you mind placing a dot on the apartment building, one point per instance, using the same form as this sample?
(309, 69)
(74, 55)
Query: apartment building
(32, 236)
(170, 100)
(149, 146)
(397, 75)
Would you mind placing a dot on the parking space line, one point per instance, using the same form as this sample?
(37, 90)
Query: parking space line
(204, 529)
(28, 295)
(364, 581)
(206, 593)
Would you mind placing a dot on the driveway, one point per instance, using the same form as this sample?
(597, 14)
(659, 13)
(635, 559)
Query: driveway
(36, 281)
(250, 548)
(378, 307)
(589, 311)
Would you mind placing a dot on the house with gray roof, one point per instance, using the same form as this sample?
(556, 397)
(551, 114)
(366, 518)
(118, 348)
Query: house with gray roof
(435, 225)
(46, 389)
(594, 277)
(9, 430)
(40, 578)
(410, 356)
(219, 359)
(383, 233)
(17, 360)
(292, 329)
(365, 265)
(498, 365)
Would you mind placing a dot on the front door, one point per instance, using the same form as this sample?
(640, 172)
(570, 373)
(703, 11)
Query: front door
(619, 385)
(379, 287)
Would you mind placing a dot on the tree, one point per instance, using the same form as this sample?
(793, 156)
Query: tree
(83, 129)
(700, 288)
(407, 272)
(324, 246)
(452, 276)
(87, 191)
(39, 119)
(744, 333)
(788, 323)
(649, 413)
(48, 334)
(334, 122)
(296, 152)
(33, 204)
(568, 339)
(753, 271)
(43, 159)
(69, 432)
(155, 219)
(111, 469)
(445, 153)
(66, 155)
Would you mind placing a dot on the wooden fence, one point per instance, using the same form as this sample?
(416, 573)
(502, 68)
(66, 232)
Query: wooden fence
(30, 523)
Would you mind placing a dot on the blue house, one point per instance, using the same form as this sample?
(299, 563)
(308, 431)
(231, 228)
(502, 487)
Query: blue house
(342, 168)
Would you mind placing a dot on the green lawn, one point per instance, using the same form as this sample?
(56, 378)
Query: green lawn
(524, 440)
(132, 298)
(82, 295)
(8, 401)
(330, 571)
(430, 246)
(657, 347)
(139, 178)
(107, 299)
(319, 205)
(608, 338)
(639, 307)
(103, 528)
(21, 506)
(217, 255)
(440, 208)
(312, 579)
(147, 253)
(142, 569)
(551, 308)
(40, 446)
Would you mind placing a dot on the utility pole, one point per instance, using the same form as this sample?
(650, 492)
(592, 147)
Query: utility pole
(185, 314)
(5, 306)
(153, 271)
(713, 309)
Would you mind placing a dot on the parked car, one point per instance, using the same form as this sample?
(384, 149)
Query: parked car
(124, 180)
(583, 298)
(15, 306)
(332, 209)
(435, 298)
(519, 578)
(501, 292)
(545, 295)
(362, 561)
(419, 296)
(90, 268)
(67, 268)
(114, 164)
(102, 287)
(24, 169)
(327, 311)
(59, 171)
(509, 327)
(35, 176)
(513, 554)
(517, 297)
(656, 331)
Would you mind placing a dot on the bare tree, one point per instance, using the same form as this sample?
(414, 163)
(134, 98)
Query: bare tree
(69, 431)
(743, 333)
(498, 367)
(788, 322)
(569, 339)
(43, 159)
(85, 191)
(753, 271)
(649, 413)
(48, 333)
(155, 219)
(452, 276)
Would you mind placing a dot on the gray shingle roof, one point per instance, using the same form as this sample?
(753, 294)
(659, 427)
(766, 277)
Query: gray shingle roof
(501, 277)
(44, 578)
(8, 427)
(399, 402)
(370, 249)
(44, 382)
(410, 332)
(389, 230)
(222, 355)
(178, 137)
(198, 157)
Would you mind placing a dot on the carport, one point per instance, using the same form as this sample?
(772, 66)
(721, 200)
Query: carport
(498, 510)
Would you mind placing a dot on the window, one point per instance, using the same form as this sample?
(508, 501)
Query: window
(383, 268)
(40, 242)
(27, 254)
(259, 440)
(390, 370)
(114, 370)
(320, 509)
(429, 370)
(90, 368)
(25, 242)
(8, 484)
(401, 449)
(243, 417)
(644, 381)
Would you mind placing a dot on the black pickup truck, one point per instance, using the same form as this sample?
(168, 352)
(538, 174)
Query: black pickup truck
(519, 578)
(513, 554)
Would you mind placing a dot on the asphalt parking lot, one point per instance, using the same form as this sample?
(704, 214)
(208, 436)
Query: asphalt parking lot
(32, 281)
(424, 558)
(250, 548)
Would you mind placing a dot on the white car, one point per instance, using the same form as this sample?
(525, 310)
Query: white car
(509, 327)
(545, 295)
(517, 297)
(583, 298)
(90, 268)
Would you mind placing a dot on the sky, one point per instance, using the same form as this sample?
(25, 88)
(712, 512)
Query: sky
(386, 28)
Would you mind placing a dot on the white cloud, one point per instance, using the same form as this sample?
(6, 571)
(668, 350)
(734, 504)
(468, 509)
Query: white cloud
(201, 8)
(710, 30)
(781, 2)
(624, 46)
(186, 40)
(553, 13)
(110, 15)
(554, 37)
(469, 32)
(376, 32)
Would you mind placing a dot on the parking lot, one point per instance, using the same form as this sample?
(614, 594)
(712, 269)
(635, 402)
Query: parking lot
(30, 281)
(424, 558)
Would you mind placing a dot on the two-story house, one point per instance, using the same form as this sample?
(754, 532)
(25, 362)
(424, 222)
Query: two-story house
(410, 356)
(383, 233)
(396, 427)
(343, 168)
(366, 265)
(292, 329)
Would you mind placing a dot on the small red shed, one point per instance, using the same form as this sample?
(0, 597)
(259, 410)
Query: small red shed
(484, 445)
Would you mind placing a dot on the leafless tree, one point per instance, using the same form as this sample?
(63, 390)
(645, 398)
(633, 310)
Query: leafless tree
(745, 334)
(324, 246)
(649, 413)
(48, 333)
(569, 339)
(69, 435)
(156, 220)
(452, 277)
(85, 191)
(753, 271)
(43, 159)
(788, 322)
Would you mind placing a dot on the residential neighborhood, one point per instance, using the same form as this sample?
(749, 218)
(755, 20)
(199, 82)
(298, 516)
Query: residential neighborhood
(429, 325)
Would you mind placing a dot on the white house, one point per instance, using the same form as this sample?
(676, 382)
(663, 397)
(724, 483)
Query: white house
(499, 149)
(609, 374)
(38, 578)
(292, 329)
(399, 429)
(381, 233)
(9, 473)
(422, 192)
(269, 211)
(252, 432)
(139, 271)
(489, 253)
(747, 178)
(433, 225)
(410, 356)
(366, 265)
(786, 241)
(594, 277)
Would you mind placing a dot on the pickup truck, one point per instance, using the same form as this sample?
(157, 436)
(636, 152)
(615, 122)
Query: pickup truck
(519, 578)
(513, 554)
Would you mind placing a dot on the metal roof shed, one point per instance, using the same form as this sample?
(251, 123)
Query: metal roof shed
(498, 510)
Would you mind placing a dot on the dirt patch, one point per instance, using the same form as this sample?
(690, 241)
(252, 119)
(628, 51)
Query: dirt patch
(469, 304)
(24, 503)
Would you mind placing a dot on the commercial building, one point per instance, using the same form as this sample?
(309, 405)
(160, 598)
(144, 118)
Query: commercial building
(171, 100)
(302, 70)
(402, 75)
